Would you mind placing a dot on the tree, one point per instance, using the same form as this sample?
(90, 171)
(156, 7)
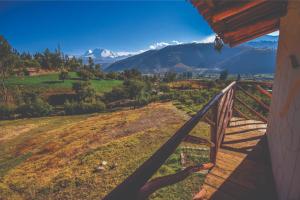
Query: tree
(46, 59)
(170, 76)
(8, 62)
(134, 88)
(91, 63)
(85, 74)
(98, 67)
(132, 74)
(73, 63)
(223, 75)
(112, 75)
(84, 91)
(238, 77)
(63, 75)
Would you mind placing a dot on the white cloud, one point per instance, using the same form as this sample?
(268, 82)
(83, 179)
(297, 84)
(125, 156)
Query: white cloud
(208, 39)
(176, 42)
(160, 45)
(276, 33)
(128, 53)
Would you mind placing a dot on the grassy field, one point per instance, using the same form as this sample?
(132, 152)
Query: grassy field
(50, 82)
(57, 157)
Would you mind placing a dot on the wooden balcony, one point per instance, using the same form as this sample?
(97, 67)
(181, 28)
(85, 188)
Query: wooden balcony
(242, 169)
(239, 165)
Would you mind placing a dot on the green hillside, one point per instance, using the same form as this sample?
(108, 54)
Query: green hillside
(51, 82)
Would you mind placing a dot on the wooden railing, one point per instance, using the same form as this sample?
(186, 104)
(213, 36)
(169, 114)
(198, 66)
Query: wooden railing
(263, 105)
(221, 107)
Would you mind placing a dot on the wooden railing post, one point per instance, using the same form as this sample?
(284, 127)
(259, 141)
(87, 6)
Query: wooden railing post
(214, 133)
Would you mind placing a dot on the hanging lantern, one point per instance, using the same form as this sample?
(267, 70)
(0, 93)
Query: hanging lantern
(218, 43)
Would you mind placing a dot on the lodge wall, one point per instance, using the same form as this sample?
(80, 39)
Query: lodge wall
(284, 119)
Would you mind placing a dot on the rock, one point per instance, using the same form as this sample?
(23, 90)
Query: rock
(99, 169)
(104, 163)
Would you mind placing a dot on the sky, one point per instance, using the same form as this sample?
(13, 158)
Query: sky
(126, 26)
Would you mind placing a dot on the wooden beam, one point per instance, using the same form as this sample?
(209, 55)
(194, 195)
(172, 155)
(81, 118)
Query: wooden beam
(234, 10)
(254, 98)
(245, 38)
(249, 29)
(252, 110)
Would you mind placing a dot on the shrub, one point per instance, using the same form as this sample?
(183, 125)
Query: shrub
(7, 111)
(84, 91)
(36, 108)
(116, 94)
(63, 75)
(164, 97)
(85, 74)
(134, 88)
(164, 88)
(82, 107)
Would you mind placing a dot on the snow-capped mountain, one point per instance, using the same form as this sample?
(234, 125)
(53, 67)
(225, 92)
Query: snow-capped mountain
(266, 41)
(105, 56)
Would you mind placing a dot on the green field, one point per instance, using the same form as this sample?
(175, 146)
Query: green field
(56, 157)
(50, 82)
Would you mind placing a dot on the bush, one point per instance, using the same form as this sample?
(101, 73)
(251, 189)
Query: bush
(36, 108)
(164, 88)
(165, 97)
(82, 107)
(84, 91)
(85, 74)
(7, 111)
(63, 75)
(116, 94)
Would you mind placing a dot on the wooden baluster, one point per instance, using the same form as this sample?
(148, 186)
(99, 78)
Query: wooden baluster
(252, 110)
(225, 111)
(213, 133)
(256, 99)
(263, 91)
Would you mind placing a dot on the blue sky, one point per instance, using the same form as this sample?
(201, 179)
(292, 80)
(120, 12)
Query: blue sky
(115, 25)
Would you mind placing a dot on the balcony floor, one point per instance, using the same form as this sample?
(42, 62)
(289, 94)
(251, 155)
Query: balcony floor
(242, 170)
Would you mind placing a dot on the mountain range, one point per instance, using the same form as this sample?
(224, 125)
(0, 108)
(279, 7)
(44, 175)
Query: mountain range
(257, 56)
(104, 57)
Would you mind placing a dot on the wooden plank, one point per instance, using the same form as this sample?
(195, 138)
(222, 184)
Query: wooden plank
(254, 98)
(233, 189)
(212, 193)
(251, 110)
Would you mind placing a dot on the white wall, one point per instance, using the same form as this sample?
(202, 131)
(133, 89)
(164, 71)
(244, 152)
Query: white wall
(284, 119)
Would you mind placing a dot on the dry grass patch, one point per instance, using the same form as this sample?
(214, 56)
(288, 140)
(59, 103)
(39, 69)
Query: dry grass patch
(60, 158)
